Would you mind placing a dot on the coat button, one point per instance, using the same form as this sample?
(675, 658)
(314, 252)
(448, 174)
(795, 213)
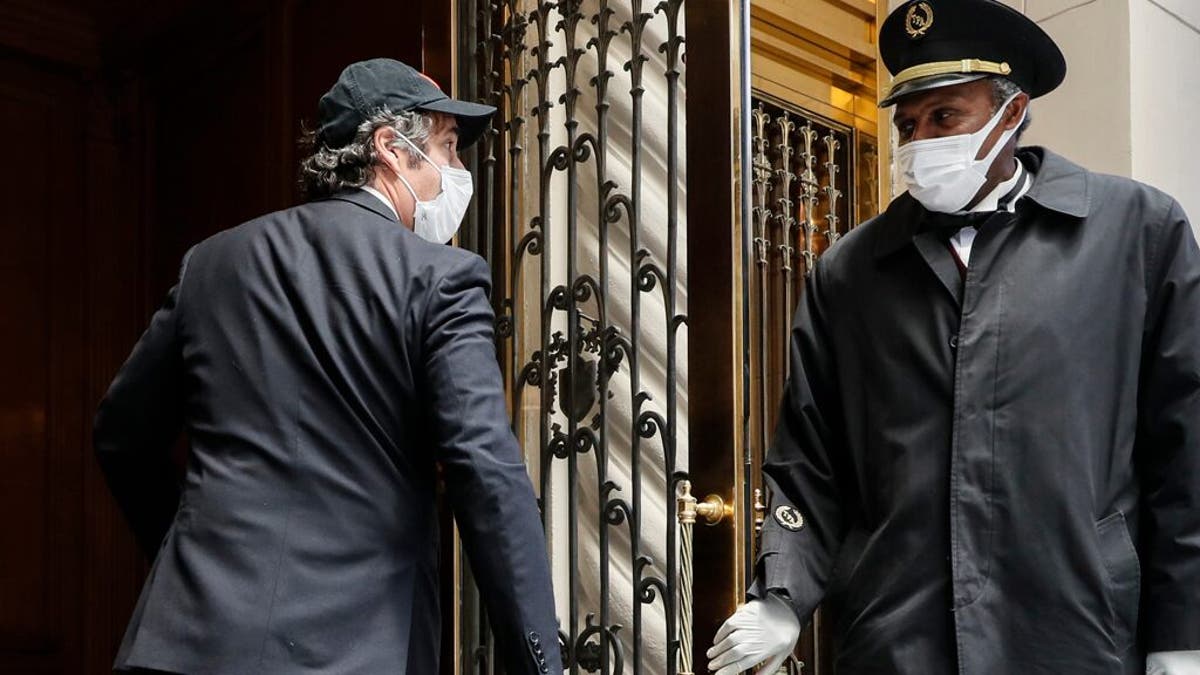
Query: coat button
(534, 638)
(953, 342)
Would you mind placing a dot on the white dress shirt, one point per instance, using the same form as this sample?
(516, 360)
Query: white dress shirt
(380, 197)
(963, 239)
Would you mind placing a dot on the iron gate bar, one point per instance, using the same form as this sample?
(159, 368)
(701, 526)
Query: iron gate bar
(672, 48)
(787, 223)
(570, 21)
(634, 28)
(762, 247)
(604, 36)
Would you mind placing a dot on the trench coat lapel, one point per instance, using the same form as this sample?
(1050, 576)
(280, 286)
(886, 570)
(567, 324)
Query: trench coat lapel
(904, 217)
(938, 257)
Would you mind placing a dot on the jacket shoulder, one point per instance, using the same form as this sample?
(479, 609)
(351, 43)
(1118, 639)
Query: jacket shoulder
(338, 228)
(1109, 188)
(848, 255)
(1139, 212)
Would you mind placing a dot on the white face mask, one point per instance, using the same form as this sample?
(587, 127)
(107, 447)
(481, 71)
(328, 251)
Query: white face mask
(438, 220)
(942, 173)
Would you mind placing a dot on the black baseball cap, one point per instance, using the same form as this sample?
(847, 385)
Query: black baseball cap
(366, 87)
(927, 44)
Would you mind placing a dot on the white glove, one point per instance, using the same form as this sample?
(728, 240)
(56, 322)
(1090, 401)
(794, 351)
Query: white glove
(760, 630)
(1173, 663)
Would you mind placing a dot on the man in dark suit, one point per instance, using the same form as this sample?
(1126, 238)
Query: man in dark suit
(324, 360)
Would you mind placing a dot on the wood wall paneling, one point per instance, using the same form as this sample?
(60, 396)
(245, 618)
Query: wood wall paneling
(115, 316)
(324, 41)
(140, 129)
(41, 353)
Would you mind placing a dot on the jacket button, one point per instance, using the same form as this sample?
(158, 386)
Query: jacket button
(953, 342)
(534, 638)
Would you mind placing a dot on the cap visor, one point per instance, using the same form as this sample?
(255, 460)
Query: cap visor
(927, 83)
(473, 118)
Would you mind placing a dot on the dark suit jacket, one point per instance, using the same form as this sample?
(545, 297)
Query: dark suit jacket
(323, 361)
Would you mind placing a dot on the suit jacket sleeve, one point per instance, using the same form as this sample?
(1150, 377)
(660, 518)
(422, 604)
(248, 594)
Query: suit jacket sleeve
(488, 487)
(804, 523)
(137, 424)
(1168, 444)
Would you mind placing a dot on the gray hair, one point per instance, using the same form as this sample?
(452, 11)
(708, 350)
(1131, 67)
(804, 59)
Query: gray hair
(327, 170)
(1002, 90)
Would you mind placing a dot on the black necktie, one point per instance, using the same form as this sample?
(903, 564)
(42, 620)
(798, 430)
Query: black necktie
(948, 224)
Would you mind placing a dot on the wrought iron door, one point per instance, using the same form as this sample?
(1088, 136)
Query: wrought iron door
(579, 209)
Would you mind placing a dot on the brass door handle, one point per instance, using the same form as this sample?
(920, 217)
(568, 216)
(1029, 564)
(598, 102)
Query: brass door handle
(714, 509)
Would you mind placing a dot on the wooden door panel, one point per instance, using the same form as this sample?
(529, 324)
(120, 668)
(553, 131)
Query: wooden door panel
(41, 355)
(24, 337)
(115, 163)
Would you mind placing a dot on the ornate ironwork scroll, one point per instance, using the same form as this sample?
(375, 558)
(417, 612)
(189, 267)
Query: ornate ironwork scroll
(590, 302)
(813, 180)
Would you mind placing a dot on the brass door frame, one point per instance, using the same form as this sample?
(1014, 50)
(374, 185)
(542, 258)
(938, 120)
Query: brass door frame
(716, 81)
(819, 55)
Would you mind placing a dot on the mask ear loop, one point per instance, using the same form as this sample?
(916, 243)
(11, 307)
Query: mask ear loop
(419, 151)
(425, 157)
(410, 188)
(1006, 135)
(997, 118)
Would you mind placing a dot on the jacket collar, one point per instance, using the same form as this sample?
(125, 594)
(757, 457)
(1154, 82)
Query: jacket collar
(366, 200)
(898, 225)
(1058, 185)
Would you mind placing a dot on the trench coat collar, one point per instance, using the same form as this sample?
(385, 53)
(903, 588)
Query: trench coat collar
(366, 200)
(1058, 185)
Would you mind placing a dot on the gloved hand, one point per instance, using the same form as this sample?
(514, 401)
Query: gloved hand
(760, 630)
(1173, 663)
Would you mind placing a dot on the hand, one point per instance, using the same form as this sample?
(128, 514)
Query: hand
(1173, 663)
(760, 630)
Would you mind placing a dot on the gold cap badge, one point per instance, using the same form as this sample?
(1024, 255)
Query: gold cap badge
(918, 20)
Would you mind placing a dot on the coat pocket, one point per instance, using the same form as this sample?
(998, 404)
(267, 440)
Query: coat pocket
(1124, 577)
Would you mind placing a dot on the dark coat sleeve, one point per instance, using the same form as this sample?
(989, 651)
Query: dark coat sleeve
(804, 523)
(1168, 444)
(489, 489)
(137, 424)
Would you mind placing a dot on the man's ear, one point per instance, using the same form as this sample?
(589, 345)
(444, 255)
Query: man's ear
(1016, 111)
(384, 141)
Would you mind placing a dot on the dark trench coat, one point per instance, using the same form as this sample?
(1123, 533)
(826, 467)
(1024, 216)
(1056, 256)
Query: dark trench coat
(1002, 475)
